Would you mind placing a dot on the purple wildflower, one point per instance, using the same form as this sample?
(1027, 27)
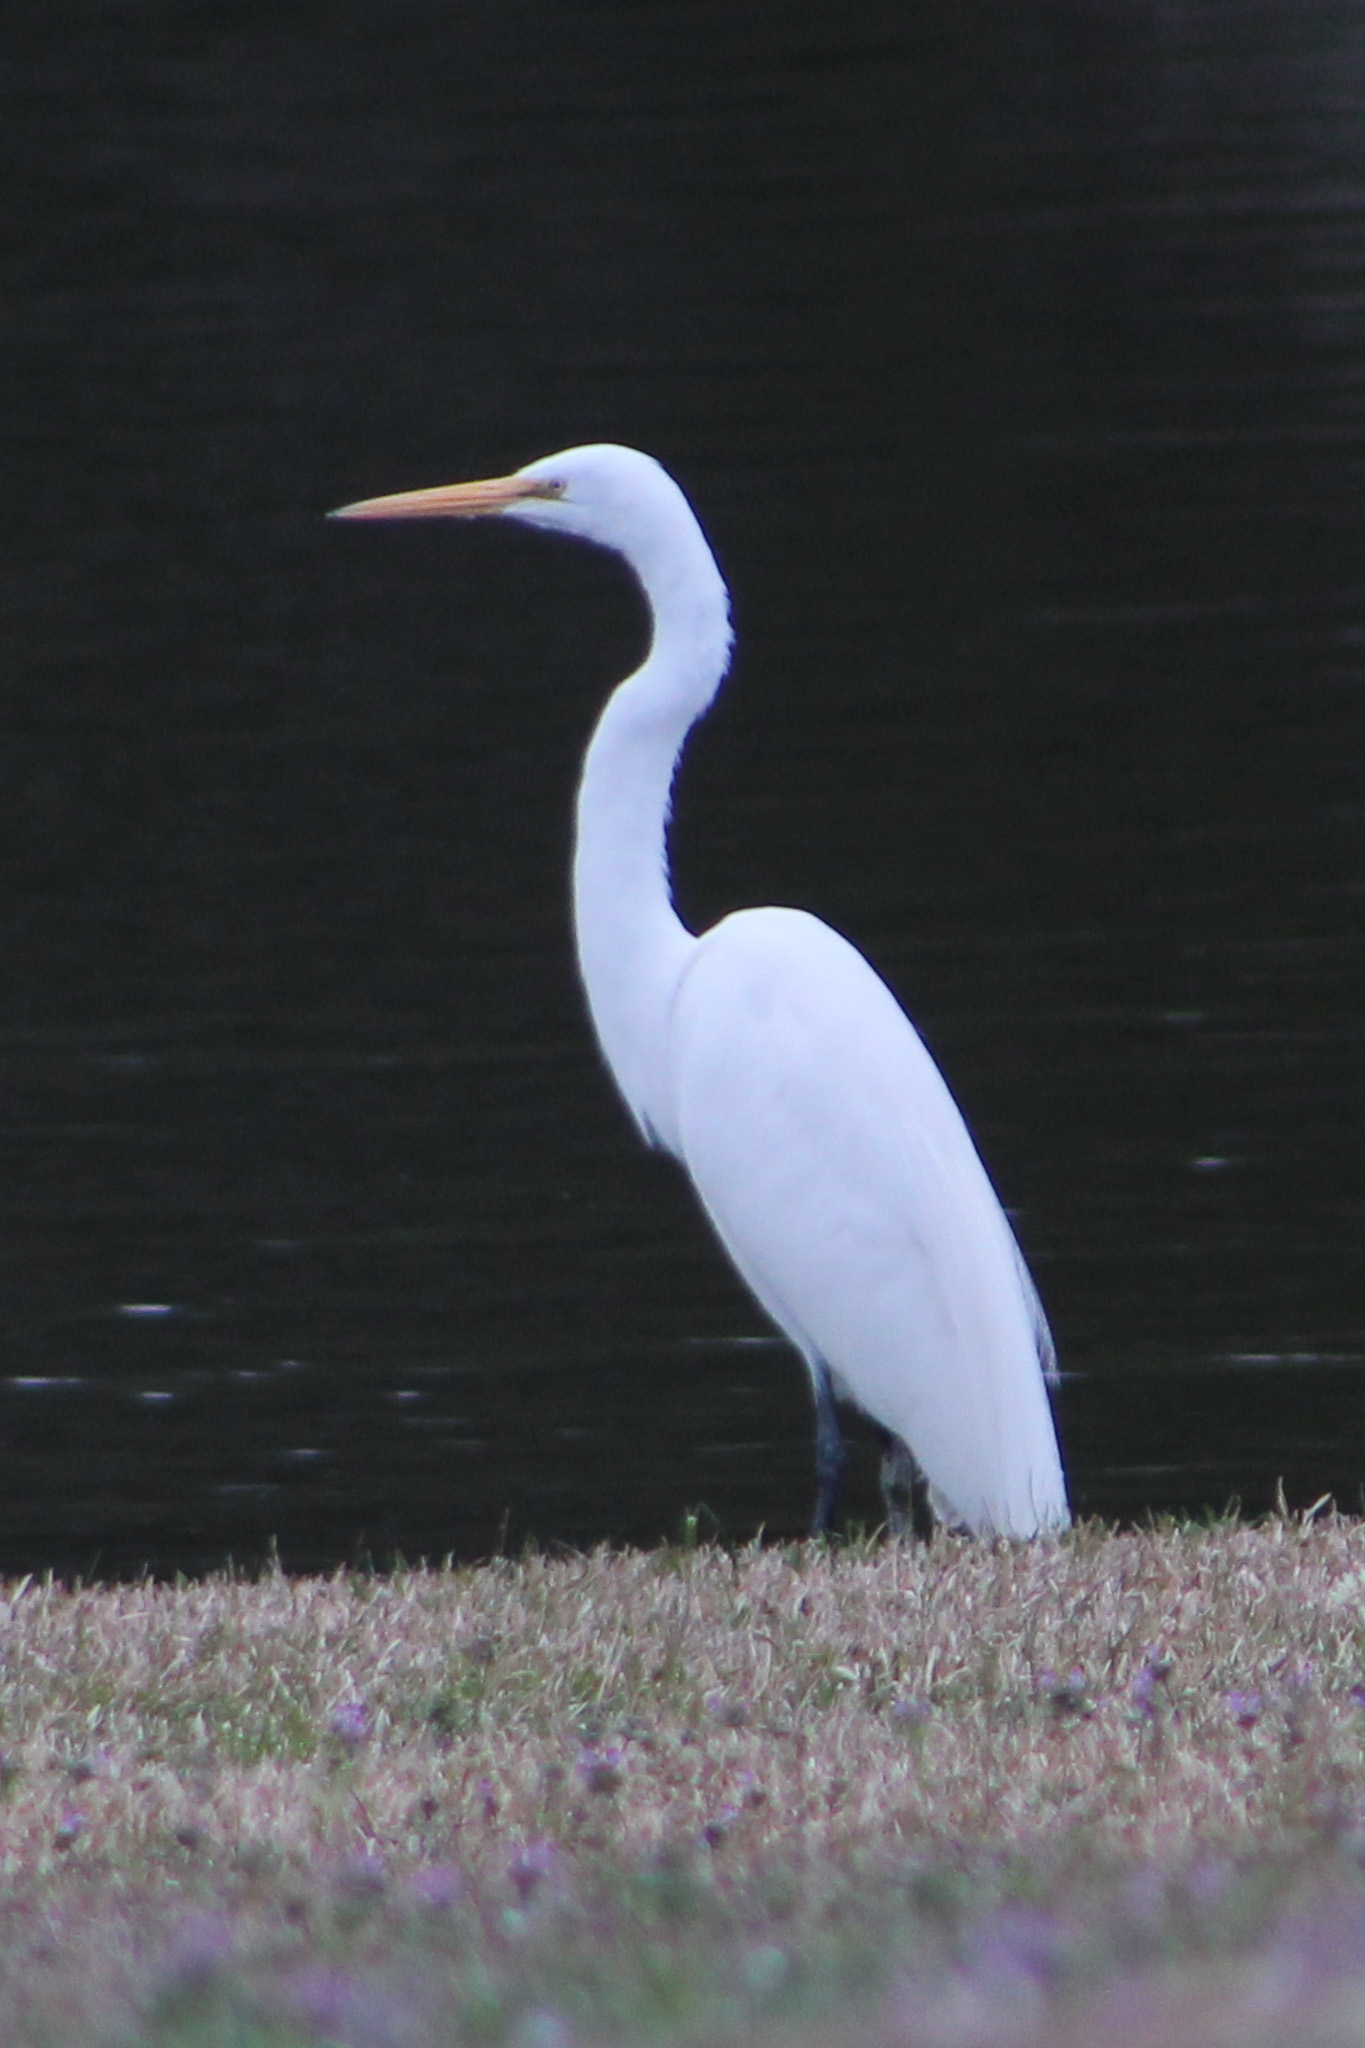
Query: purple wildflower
(201, 1941)
(438, 1886)
(69, 1829)
(1208, 1882)
(530, 1868)
(350, 1723)
(1245, 1708)
(746, 1782)
(601, 1770)
(343, 2005)
(715, 1831)
(730, 1713)
(1066, 1696)
(362, 1876)
(1018, 1945)
(1155, 1671)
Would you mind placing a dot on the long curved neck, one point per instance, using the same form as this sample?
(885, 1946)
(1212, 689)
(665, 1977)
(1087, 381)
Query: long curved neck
(632, 945)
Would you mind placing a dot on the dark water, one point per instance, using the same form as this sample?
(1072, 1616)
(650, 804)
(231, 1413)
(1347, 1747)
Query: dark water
(1016, 359)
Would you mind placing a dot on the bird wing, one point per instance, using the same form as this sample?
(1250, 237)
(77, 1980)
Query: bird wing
(1043, 1341)
(838, 1172)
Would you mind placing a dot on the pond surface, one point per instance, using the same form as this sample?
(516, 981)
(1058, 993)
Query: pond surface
(1015, 360)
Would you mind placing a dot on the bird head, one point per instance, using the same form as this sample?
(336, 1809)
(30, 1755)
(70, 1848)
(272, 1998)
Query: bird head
(614, 496)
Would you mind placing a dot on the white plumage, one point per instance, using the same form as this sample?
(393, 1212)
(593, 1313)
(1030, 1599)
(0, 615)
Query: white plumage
(770, 1058)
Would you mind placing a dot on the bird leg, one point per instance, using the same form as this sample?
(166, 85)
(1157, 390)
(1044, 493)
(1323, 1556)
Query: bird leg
(829, 1449)
(904, 1489)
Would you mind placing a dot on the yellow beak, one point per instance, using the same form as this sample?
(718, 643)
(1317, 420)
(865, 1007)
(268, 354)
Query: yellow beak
(450, 501)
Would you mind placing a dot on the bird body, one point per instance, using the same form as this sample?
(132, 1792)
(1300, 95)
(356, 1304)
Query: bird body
(803, 1093)
(771, 1060)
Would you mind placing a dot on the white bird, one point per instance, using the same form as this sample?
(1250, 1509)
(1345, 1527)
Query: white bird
(771, 1060)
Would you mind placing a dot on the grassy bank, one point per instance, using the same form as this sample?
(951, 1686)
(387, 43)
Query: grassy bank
(1111, 1786)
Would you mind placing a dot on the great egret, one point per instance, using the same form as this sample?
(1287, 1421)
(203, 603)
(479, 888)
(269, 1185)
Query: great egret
(770, 1058)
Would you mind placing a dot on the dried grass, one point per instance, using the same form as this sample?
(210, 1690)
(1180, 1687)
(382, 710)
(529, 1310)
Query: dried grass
(977, 1791)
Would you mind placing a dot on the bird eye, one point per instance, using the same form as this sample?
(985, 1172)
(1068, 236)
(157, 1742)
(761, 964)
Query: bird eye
(551, 487)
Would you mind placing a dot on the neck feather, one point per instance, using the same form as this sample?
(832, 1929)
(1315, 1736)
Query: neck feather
(632, 945)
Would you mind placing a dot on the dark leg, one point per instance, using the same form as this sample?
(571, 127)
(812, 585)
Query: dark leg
(829, 1450)
(904, 1489)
